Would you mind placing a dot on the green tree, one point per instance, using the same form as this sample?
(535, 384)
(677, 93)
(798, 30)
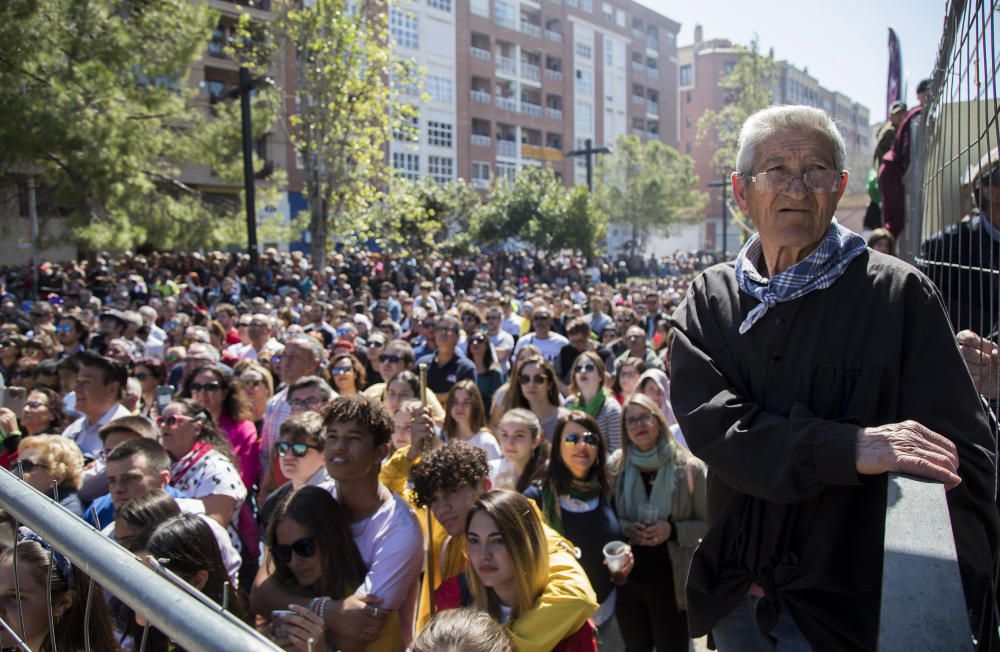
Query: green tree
(349, 102)
(95, 103)
(649, 187)
(749, 87)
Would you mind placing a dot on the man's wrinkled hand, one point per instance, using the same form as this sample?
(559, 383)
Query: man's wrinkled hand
(907, 447)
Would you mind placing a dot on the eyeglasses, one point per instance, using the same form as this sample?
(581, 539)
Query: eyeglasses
(623, 320)
(389, 357)
(34, 405)
(375, 344)
(213, 386)
(172, 420)
(23, 373)
(6, 343)
(777, 182)
(338, 371)
(636, 338)
(541, 317)
(586, 438)
(445, 329)
(538, 379)
(643, 420)
(27, 466)
(305, 403)
(304, 548)
(477, 340)
(298, 449)
(64, 328)
(141, 376)
(39, 315)
(586, 367)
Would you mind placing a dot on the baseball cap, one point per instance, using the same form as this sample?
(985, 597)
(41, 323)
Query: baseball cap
(896, 107)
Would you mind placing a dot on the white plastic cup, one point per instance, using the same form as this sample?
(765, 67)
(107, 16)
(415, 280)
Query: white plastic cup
(648, 514)
(614, 553)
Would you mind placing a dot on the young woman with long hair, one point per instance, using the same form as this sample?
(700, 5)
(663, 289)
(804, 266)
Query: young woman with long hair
(525, 451)
(534, 387)
(465, 418)
(587, 393)
(489, 376)
(500, 396)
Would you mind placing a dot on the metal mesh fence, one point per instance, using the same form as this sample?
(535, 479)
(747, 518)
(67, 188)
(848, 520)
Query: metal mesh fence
(953, 185)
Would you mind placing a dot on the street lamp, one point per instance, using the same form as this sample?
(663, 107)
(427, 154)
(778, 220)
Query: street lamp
(589, 152)
(243, 90)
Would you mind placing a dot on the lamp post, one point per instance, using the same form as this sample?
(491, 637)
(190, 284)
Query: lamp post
(244, 90)
(723, 183)
(589, 152)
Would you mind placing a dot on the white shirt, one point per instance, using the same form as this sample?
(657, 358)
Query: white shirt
(485, 440)
(550, 346)
(247, 352)
(85, 434)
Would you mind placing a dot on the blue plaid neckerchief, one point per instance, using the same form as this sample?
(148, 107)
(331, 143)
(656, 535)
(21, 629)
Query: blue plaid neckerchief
(818, 271)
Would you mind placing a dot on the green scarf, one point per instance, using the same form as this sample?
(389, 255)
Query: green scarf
(579, 489)
(631, 490)
(592, 407)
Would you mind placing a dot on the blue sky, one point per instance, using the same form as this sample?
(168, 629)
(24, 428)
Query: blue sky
(842, 43)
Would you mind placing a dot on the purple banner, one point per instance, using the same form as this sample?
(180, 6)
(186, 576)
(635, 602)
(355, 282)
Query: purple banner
(895, 82)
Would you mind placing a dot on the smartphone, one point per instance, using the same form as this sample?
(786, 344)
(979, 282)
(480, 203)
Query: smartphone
(164, 395)
(278, 620)
(13, 399)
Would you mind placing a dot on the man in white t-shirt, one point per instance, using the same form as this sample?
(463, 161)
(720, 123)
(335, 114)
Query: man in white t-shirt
(385, 529)
(549, 343)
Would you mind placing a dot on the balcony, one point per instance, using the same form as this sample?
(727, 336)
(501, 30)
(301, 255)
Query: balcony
(554, 75)
(553, 36)
(507, 103)
(528, 108)
(479, 96)
(641, 133)
(507, 148)
(506, 65)
(638, 100)
(638, 33)
(479, 53)
(653, 72)
(531, 71)
(638, 67)
(555, 114)
(505, 21)
(531, 29)
(652, 108)
(480, 140)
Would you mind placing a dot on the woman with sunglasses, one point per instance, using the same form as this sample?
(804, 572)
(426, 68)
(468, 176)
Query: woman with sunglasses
(42, 414)
(211, 387)
(348, 374)
(312, 553)
(204, 466)
(509, 568)
(534, 387)
(489, 377)
(659, 493)
(587, 393)
(300, 455)
(10, 351)
(466, 419)
(575, 499)
(54, 466)
(500, 396)
(257, 386)
(151, 373)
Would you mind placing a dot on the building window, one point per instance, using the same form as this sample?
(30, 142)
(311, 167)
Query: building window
(480, 171)
(584, 50)
(439, 88)
(584, 82)
(687, 148)
(587, 5)
(506, 170)
(439, 168)
(685, 73)
(213, 88)
(404, 28)
(480, 7)
(439, 133)
(609, 51)
(443, 5)
(583, 118)
(609, 12)
(408, 129)
(408, 165)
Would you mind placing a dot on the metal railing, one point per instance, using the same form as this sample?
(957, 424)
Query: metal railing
(181, 616)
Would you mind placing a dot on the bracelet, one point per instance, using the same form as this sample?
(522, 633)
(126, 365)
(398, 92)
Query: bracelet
(318, 606)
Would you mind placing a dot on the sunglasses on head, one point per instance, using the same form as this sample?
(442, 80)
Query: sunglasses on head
(538, 379)
(587, 438)
(305, 548)
(213, 386)
(586, 367)
(298, 449)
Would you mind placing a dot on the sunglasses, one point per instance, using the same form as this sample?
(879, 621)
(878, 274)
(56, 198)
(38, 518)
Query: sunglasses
(213, 386)
(624, 320)
(586, 367)
(141, 376)
(538, 379)
(541, 317)
(587, 438)
(249, 384)
(27, 466)
(63, 329)
(477, 340)
(338, 371)
(375, 344)
(172, 420)
(389, 357)
(297, 449)
(304, 548)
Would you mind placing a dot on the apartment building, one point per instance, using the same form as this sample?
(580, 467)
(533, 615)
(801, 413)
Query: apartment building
(701, 66)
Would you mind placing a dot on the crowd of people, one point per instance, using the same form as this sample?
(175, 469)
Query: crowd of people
(279, 418)
(505, 452)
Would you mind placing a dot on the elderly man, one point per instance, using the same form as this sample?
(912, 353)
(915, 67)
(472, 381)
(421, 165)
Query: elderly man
(799, 413)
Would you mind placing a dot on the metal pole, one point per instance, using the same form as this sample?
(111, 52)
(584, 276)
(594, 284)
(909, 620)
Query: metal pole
(33, 216)
(193, 625)
(588, 145)
(725, 242)
(248, 180)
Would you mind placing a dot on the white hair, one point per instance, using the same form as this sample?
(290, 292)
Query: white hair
(767, 122)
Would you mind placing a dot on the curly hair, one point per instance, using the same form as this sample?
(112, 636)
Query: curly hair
(370, 415)
(60, 455)
(450, 467)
